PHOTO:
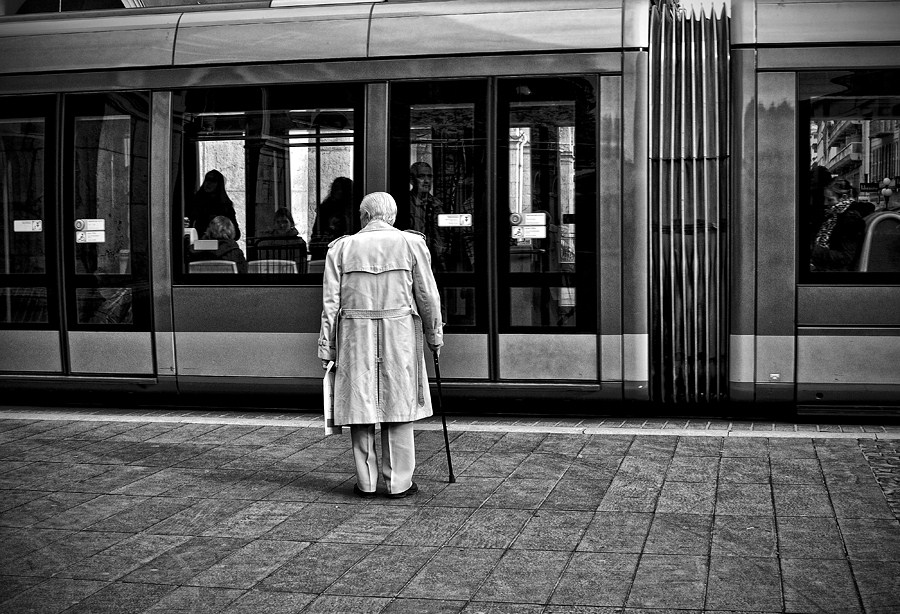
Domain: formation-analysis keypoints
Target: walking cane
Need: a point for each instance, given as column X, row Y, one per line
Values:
column 437, row 374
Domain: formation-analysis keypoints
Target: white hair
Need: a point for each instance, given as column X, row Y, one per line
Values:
column 379, row 206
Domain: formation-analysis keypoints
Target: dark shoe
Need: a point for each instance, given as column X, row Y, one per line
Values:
column 362, row 493
column 406, row 493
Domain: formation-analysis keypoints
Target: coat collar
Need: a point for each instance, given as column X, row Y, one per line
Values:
column 377, row 225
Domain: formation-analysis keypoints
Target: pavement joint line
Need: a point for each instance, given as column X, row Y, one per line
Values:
column 315, row 421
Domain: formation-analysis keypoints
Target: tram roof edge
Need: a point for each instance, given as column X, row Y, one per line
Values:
column 814, row 22
column 61, row 42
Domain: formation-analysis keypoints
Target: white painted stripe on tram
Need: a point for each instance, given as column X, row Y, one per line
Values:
column 490, row 425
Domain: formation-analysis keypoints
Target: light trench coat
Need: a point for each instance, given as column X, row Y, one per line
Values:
column 380, row 305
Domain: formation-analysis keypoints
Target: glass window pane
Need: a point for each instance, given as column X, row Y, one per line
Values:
column 854, row 162
column 548, row 180
column 107, row 171
column 459, row 306
column 542, row 306
column 542, row 186
column 280, row 174
column 104, row 305
column 442, row 180
column 23, row 306
column 22, row 151
column 103, row 194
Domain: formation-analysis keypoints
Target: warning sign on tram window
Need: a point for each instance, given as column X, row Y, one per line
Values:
column 90, row 224
column 529, row 232
column 90, row 236
column 528, row 219
column 28, row 226
column 454, row 220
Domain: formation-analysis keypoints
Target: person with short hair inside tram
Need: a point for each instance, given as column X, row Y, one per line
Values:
column 424, row 209
column 380, row 305
column 222, row 230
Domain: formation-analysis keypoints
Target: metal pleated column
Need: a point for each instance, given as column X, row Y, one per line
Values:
column 689, row 193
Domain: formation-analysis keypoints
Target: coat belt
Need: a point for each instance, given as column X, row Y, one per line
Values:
column 375, row 314
column 384, row 314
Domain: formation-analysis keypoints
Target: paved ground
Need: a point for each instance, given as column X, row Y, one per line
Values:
column 116, row 511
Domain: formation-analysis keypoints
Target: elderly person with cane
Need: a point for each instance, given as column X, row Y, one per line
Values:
column 380, row 307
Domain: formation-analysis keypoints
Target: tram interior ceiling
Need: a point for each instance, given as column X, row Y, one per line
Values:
column 630, row 207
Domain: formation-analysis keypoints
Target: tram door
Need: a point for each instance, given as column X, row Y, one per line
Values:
column 76, row 297
column 498, row 174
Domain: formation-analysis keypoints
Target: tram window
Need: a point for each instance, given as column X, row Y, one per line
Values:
column 23, row 306
column 22, row 242
column 108, row 171
column 550, row 184
column 849, row 227
column 441, row 199
column 279, row 164
column 543, row 306
column 438, row 145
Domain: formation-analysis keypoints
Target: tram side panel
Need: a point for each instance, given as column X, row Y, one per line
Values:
column 828, row 248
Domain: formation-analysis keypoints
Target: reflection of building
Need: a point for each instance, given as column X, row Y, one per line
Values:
column 860, row 151
column 882, row 157
column 838, row 146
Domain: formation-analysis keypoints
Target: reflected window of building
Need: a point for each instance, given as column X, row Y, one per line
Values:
column 277, row 165
column 850, row 205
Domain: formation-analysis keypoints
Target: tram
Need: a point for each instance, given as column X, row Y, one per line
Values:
column 617, row 194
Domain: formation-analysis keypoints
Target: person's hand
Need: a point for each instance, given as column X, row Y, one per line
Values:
column 325, row 364
column 435, row 349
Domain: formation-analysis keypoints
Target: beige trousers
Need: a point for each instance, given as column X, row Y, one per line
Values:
column 398, row 455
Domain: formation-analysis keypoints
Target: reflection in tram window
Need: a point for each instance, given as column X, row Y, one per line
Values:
column 441, row 179
column 287, row 156
column 438, row 142
column 23, row 305
column 22, row 240
column 550, row 182
column 108, row 170
column 22, row 153
column 104, row 305
column 851, row 221
column 103, row 178
column 542, row 306
column 542, row 186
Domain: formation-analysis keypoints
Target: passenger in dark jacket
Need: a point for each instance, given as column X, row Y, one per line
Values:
column 210, row 201
column 222, row 230
column 837, row 244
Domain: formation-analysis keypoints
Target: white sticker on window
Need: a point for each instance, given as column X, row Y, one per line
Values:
column 529, row 232
column 90, row 236
column 89, row 224
column 454, row 220
column 28, row 226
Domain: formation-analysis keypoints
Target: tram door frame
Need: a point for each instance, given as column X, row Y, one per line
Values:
column 107, row 320
column 495, row 347
column 70, row 308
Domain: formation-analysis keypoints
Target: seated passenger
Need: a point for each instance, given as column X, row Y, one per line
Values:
column 836, row 246
column 282, row 224
column 282, row 242
column 222, row 230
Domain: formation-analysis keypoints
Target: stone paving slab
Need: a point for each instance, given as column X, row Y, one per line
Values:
column 237, row 512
